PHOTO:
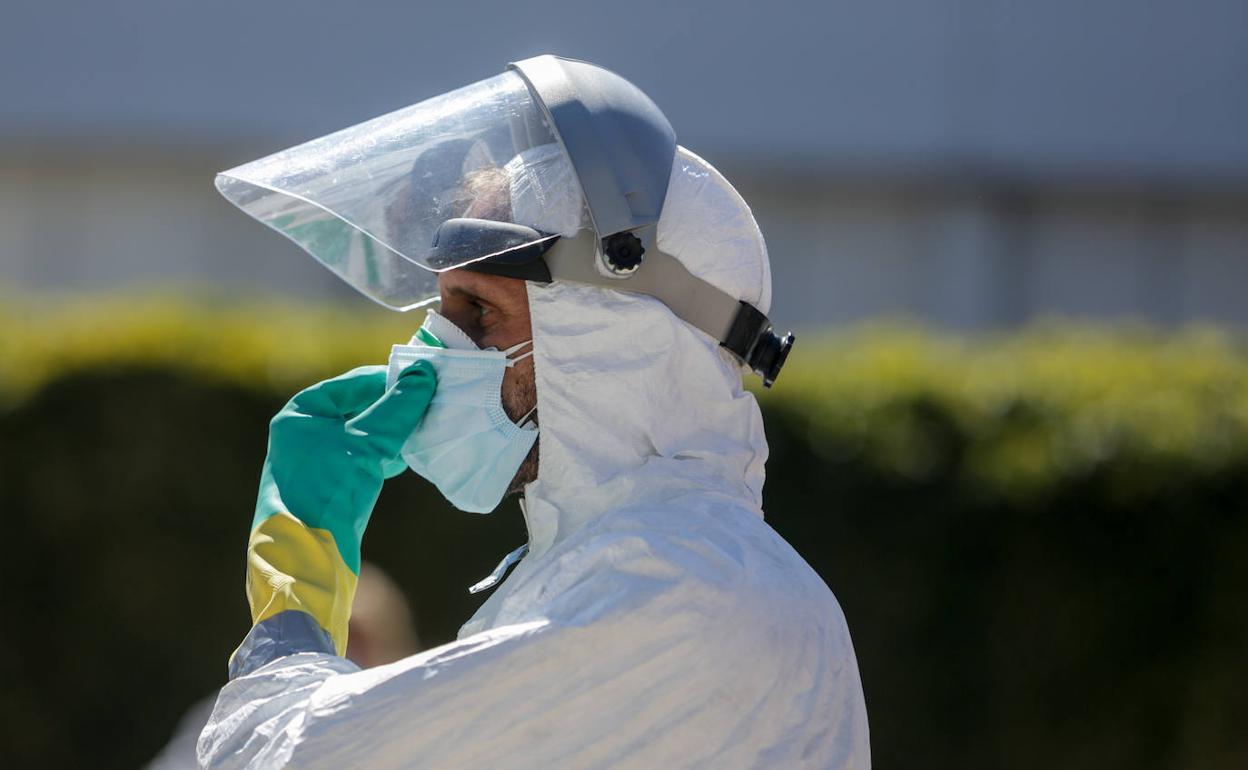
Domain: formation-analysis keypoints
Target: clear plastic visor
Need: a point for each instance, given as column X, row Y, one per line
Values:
column 368, row 201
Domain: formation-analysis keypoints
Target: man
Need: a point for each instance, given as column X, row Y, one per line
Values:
column 655, row 621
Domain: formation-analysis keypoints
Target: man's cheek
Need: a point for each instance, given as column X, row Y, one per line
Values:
column 511, row 380
column 519, row 389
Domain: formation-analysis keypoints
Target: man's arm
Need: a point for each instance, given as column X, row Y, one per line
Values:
column 533, row 693
column 429, row 710
column 611, row 692
column 613, row 655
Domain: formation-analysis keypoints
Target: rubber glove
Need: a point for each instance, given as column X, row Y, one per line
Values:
column 330, row 450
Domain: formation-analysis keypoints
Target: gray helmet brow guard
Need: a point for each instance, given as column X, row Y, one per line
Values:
column 622, row 147
column 390, row 203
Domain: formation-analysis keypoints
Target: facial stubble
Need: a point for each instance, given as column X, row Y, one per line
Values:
column 519, row 398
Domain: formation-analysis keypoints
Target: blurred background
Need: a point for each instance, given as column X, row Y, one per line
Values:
column 1013, row 238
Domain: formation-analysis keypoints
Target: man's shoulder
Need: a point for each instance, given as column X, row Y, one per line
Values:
column 723, row 553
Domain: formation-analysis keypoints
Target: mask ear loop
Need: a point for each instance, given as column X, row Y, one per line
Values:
column 524, row 420
column 513, row 361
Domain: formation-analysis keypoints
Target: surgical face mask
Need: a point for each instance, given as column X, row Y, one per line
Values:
column 466, row 444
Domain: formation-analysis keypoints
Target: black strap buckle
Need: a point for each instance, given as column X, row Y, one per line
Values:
column 752, row 339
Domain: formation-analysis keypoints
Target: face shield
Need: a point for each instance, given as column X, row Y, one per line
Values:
column 555, row 170
column 370, row 202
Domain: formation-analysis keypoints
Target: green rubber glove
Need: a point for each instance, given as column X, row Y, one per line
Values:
column 334, row 444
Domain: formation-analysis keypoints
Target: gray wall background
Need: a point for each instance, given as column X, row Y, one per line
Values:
column 970, row 163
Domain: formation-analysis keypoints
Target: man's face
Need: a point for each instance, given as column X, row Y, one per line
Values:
column 494, row 312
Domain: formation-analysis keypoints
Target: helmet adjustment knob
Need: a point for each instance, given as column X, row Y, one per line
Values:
column 622, row 253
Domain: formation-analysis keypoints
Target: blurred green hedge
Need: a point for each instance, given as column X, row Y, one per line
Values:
column 1038, row 538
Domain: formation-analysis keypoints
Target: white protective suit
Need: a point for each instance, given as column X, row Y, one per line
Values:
column 657, row 622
